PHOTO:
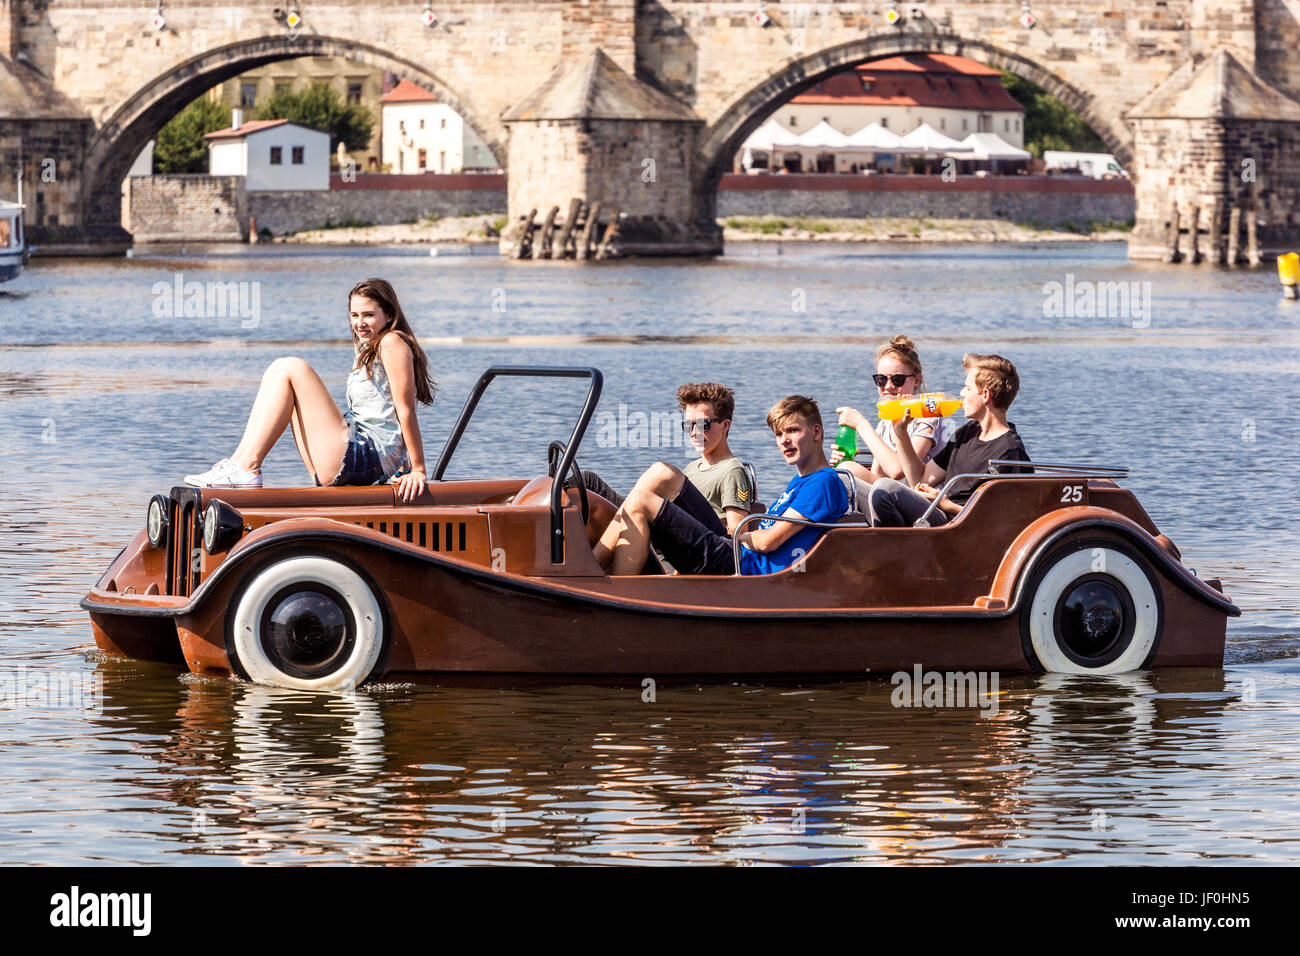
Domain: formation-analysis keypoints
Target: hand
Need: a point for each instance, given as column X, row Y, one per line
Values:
column 837, row 455
column 901, row 424
column 928, row 492
column 411, row 484
column 853, row 418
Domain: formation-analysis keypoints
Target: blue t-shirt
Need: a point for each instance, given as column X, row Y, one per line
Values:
column 819, row 496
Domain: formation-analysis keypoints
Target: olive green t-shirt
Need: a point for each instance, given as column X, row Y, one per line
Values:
column 725, row 484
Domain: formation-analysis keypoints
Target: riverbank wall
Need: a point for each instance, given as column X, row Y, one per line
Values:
column 198, row 208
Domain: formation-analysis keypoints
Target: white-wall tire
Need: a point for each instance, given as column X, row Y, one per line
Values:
column 1115, row 635
column 268, row 652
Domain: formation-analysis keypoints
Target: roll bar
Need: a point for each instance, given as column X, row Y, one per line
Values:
column 1060, row 469
column 570, row 448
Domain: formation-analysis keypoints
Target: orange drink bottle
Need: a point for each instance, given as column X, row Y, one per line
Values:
column 928, row 405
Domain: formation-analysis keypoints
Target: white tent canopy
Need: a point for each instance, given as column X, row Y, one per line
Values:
column 823, row 136
column 772, row 135
column 926, row 139
column 874, row 137
column 992, row 146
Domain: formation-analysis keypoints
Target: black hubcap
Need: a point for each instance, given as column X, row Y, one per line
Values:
column 1094, row 620
column 307, row 631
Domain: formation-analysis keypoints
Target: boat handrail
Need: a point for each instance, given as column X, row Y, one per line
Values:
column 1054, row 469
column 759, row 516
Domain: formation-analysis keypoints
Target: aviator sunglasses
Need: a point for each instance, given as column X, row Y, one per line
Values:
column 704, row 424
column 898, row 380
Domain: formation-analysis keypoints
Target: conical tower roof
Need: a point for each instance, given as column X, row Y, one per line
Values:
column 597, row 88
column 1217, row 88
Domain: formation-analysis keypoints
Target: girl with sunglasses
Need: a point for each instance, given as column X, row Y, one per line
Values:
column 898, row 373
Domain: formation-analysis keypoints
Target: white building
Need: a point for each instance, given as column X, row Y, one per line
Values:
column 422, row 135
column 954, row 95
column 270, row 154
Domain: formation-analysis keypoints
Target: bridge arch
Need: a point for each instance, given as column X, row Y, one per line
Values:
column 725, row 133
column 119, row 139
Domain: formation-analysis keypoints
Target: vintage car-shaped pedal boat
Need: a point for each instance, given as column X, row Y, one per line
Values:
column 325, row 588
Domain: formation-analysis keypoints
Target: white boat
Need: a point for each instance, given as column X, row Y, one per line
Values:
column 13, row 243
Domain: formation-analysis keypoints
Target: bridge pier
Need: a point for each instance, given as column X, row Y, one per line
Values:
column 1215, row 138
column 593, row 133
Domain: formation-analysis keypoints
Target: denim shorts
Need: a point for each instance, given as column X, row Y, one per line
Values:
column 361, row 465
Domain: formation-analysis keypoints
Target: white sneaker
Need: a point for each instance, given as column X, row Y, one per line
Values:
column 225, row 474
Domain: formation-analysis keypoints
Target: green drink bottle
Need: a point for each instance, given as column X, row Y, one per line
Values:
column 846, row 440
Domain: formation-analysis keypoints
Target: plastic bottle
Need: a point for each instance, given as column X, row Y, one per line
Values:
column 846, row 440
column 928, row 405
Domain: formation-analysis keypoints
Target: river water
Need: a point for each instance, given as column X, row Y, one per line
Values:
column 109, row 393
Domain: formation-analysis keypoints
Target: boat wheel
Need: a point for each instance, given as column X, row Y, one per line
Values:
column 308, row 623
column 1092, row 607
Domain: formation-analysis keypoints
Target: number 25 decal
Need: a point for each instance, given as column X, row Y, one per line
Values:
column 1072, row 493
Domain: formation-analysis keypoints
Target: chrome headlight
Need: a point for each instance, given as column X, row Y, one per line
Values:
column 222, row 526
column 155, row 524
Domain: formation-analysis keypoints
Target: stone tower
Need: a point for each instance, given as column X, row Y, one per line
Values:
column 592, row 132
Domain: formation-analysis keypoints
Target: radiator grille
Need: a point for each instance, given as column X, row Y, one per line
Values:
column 441, row 536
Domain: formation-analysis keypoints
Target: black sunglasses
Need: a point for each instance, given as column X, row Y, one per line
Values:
column 704, row 424
column 898, row 380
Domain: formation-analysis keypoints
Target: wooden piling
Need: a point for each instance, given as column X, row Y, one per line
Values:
column 561, row 248
column 1194, row 236
column 1252, row 240
column 524, row 236
column 542, row 248
column 1216, row 235
column 611, row 232
column 1234, row 234
column 1171, row 235
column 584, row 249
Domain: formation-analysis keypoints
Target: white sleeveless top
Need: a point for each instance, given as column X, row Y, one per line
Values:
column 940, row 429
column 371, row 413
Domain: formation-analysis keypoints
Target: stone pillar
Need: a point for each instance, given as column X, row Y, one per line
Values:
column 10, row 24
column 1215, row 137
column 593, row 133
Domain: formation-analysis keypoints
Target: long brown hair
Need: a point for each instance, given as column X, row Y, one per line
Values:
column 381, row 292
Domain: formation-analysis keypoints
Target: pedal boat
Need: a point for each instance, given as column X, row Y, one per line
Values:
column 327, row 588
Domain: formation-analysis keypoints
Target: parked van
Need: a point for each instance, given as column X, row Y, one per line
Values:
column 1092, row 165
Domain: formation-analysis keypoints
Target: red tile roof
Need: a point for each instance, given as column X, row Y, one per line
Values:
column 934, row 79
column 408, row 92
column 252, row 126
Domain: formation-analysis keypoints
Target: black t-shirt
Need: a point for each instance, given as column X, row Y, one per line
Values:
column 966, row 454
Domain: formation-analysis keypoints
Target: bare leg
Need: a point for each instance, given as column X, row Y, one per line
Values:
column 291, row 390
column 661, row 481
column 625, row 545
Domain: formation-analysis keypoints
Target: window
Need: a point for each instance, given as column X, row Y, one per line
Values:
column 794, row 121
column 866, row 85
column 297, row 155
column 277, row 156
column 247, row 94
column 424, row 159
column 1006, row 126
column 282, row 87
column 965, row 124
column 401, row 126
column 444, row 123
column 442, row 161
column 943, row 123
column 1017, row 126
column 884, row 121
column 421, row 124
column 354, row 93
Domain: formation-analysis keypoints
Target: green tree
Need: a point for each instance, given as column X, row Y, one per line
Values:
column 321, row 108
column 179, row 146
column 1049, row 123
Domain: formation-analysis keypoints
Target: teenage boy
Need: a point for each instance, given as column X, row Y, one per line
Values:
column 692, row 547
column 715, row 488
column 991, row 387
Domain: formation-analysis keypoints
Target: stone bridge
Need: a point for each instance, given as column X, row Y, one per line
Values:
column 640, row 104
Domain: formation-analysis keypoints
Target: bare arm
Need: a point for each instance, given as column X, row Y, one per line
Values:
column 400, row 368
column 769, row 539
column 734, row 517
